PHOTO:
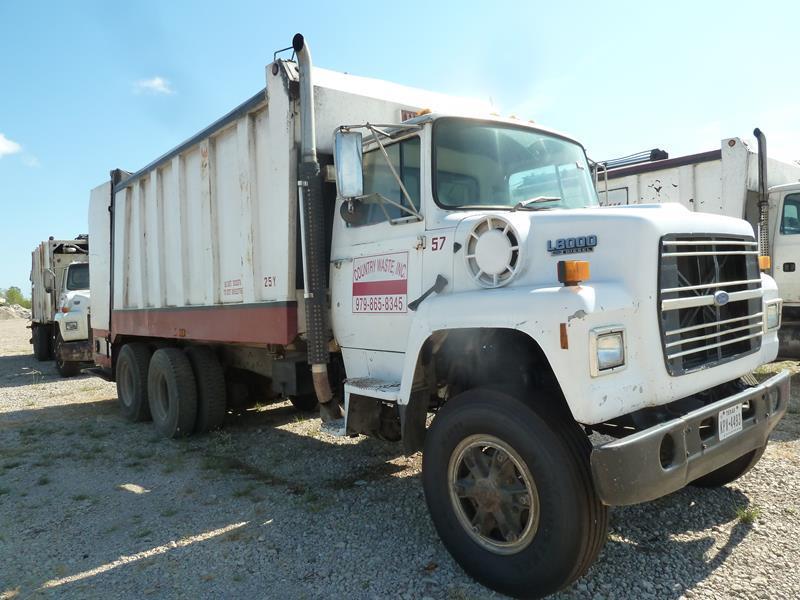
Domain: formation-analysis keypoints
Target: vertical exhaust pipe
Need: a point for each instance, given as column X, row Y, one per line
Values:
column 763, row 194
column 312, row 219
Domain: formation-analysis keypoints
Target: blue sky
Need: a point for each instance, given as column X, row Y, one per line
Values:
column 86, row 87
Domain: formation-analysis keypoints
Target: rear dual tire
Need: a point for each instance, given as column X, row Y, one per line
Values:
column 172, row 393
column 42, row 343
column 527, row 525
column 131, row 375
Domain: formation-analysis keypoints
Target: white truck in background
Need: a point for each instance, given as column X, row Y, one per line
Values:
column 727, row 182
column 427, row 259
column 60, row 308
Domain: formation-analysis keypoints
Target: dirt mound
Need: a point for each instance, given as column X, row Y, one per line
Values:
column 14, row 311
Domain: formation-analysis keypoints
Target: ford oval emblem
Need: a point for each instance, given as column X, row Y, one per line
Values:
column 721, row 298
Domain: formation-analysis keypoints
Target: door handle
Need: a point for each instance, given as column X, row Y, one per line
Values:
column 788, row 267
column 437, row 287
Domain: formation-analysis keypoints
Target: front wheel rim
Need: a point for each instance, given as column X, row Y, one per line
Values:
column 493, row 494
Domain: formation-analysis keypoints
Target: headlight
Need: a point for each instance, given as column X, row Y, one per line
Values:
column 773, row 315
column 608, row 350
column 72, row 326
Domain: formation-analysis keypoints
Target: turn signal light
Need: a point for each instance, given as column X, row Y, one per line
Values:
column 764, row 262
column 65, row 309
column 572, row 272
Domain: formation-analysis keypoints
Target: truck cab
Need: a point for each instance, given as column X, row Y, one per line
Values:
column 72, row 335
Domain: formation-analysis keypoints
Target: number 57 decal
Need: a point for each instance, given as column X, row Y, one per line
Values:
column 437, row 243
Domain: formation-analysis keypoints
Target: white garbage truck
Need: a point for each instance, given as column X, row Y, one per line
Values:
column 727, row 182
column 444, row 278
column 60, row 308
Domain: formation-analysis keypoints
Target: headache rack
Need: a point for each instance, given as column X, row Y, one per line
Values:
column 709, row 300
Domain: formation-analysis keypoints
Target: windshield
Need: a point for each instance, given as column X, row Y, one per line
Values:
column 78, row 276
column 482, row 163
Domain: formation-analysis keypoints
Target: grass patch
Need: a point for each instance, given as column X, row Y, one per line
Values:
column 312, row 501
column 80, row 497
column 748, row 514
column 43, row 480
column 173, row 464
column 12, row 465
column 142, row 533
column 4, row 491
column 245, row 491
column 169, row 512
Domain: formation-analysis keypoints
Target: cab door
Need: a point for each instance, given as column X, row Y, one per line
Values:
column 786, row 248
column 376, row 263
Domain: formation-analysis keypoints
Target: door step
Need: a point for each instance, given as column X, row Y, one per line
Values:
column 386, row 391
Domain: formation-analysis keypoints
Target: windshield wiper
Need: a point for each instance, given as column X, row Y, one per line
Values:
column 537, row 200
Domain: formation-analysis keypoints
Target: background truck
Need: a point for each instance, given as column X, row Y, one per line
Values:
column 458, row 272
column 60, row 303
column 727, row 182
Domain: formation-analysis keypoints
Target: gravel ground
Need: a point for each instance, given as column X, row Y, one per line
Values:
column 95, row 507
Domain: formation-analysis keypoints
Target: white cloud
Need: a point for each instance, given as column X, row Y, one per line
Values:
column 155, row 85
column 8, row 146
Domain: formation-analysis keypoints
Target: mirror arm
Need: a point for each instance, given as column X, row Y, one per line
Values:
column 383, row 199
column 394, row 172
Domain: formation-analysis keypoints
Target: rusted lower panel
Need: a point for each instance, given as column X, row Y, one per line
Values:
column 100, row 355
column 263, row 323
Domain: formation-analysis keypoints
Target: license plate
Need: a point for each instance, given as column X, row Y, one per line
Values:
column 729, row 421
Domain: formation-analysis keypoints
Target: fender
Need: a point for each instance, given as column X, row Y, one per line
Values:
column 539, row 313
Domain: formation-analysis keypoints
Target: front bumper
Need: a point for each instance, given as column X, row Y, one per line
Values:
column 629, row 470
column 76, row 351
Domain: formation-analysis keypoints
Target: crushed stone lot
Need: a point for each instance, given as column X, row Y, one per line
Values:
column 92, row 506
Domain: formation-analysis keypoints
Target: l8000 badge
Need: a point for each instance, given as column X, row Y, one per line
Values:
column 573, row 245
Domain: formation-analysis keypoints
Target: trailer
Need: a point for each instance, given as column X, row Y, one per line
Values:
column 728, row 182
column 429, row 273
column 60, row 308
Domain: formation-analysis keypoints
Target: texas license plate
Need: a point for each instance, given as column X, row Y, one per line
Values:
column 729, row 421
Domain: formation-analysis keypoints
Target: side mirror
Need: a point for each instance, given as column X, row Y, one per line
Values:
column 349, row 168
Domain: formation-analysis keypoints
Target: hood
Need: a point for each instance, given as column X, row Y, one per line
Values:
column 504, row 248
column 75, row 300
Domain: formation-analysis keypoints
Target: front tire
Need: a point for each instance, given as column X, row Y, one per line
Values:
column 732, row 471
column 65, row 368
column 511, row 495
column 172, row 393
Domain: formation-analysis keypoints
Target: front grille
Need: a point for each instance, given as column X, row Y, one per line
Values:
column 698, row 328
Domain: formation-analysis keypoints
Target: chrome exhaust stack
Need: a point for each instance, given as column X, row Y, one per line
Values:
column 312, row 226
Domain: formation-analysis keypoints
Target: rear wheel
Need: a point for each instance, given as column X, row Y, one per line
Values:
column 66, row 368
column 131, row 376
column 172, row 393
column 510, row 493
column 732, row 471
column 211, row 397
column 41, row 342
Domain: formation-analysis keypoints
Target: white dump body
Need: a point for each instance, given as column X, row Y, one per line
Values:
column 723, row 182
column 211, row 227
column 49, row 261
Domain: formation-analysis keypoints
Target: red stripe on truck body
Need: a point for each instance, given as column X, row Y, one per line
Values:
column 259, row 324
column 378, row 288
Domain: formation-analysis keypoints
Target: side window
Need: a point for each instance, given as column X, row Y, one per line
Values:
column 378, row 178
column 790, row 218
